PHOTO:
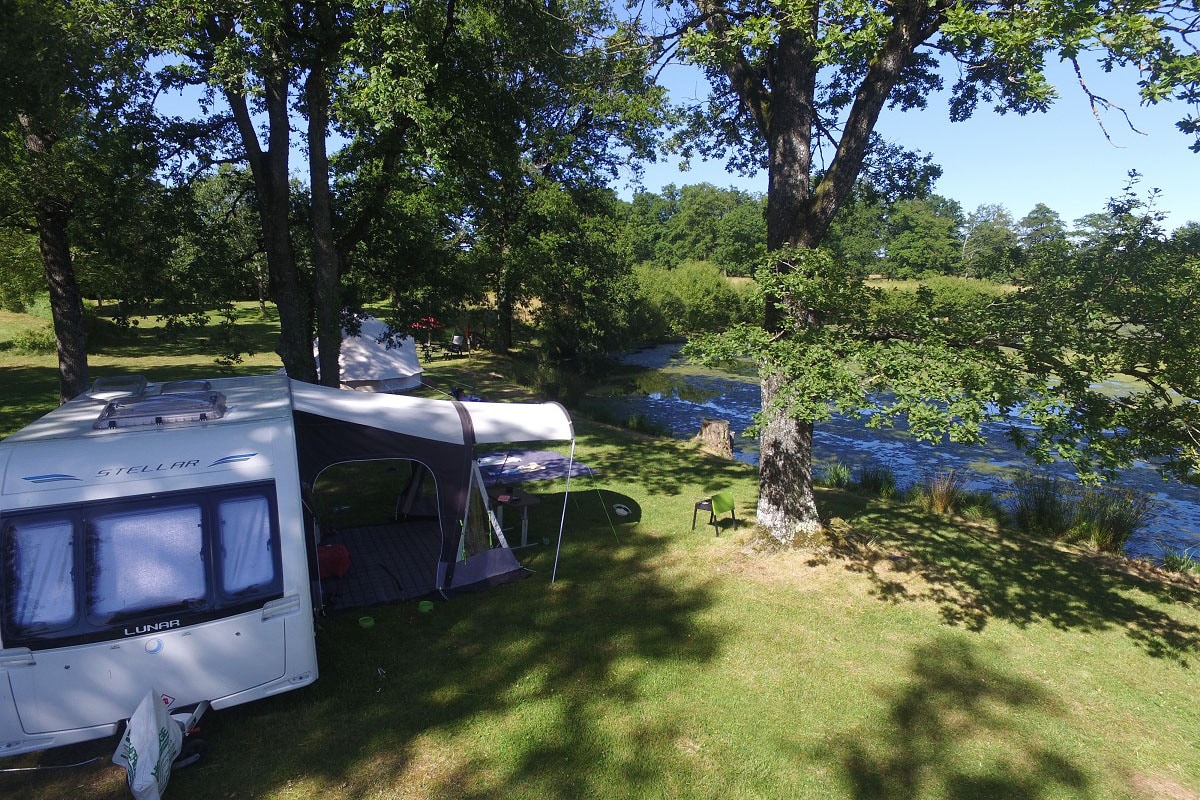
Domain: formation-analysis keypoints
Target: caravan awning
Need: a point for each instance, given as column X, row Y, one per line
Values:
column 496, row 423
column 439, row 420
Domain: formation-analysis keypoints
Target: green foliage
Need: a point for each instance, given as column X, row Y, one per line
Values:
column 1182, row 562
column 1043, row 505
column 80, row 144
column 217, row 250
column 885, row 355
column 837, row 475
column 926, row 235
column 35, row 341
column 410, row 256
column 923, row 238
column 991, row 247
column 940, row 493
column 1107, row 520
column 22, row 275
column 1122, row 304
column 741, row 241
column 876, row 480
column 697, row 223
column 947, row 355
column 693, row 298
column 1104, row 519
column 1043, row 239
column 858, row 234
column 584, row 290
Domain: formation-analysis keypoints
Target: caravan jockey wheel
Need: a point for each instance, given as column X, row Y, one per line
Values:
column 192, row 752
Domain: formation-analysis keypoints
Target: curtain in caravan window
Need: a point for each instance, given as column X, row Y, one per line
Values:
column 247, row 561
column 43, row 594
column 147, row 559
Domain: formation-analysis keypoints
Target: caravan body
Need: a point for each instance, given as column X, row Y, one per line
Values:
column 157, row 543
column 158, row 537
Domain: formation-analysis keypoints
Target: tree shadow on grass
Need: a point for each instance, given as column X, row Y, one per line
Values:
column 29, row 392
column 975, row 574
column 158, row 342
column 527, row 689
column 538, row 671
column 666, row 468
column 953, row 702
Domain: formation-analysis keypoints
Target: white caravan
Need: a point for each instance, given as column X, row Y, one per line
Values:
column 157, row 536
column 150, row 544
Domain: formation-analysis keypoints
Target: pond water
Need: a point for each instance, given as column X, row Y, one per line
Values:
column 672, row 396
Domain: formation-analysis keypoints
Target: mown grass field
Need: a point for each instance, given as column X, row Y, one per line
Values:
column 925, row 657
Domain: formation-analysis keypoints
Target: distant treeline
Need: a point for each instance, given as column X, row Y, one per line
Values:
column 907, row 237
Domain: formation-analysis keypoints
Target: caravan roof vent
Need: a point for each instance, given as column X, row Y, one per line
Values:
column 185, row 387
column 112, row 386
column 163, row 409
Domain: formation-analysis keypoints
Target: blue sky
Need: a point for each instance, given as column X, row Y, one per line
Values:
column 1060, row 158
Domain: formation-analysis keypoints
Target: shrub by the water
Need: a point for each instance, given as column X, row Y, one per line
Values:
column 1104, row 519
column 1108, row 519
column 1042, row 505
column 940, row 493
column 877, row 480
column 1182, row 562
column 693, row 297
column 836, row 475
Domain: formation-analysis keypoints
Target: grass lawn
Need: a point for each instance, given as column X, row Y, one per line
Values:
column 925, row 658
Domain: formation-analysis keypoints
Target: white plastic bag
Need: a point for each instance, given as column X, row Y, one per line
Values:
column 152, row 741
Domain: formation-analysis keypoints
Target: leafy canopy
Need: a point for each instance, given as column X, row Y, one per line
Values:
column 1096, row 349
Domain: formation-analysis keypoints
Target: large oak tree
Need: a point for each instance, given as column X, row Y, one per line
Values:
column 797, row 80
column 76, row 138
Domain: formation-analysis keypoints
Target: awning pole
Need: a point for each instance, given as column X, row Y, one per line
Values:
column 562, row 523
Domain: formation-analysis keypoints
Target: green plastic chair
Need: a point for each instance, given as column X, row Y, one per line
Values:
column 719, row 503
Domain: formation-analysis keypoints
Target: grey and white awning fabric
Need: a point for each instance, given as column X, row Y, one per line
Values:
column 439, row 420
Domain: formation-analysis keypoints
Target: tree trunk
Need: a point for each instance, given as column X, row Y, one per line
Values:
column 66, row 303
column 787, row 506
column 270, row 170
column 799, row 216
column 715, row 437
column 326, row 279
column 503, row 340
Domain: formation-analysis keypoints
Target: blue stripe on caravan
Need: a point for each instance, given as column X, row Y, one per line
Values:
column 233, row 459
column 49, row 478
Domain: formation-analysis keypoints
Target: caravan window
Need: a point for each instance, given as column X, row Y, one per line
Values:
column 145, row 559
column 247, row 554
column 90, row 572
column 41, row 592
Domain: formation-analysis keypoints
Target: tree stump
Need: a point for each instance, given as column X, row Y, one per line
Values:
column 716, row 438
